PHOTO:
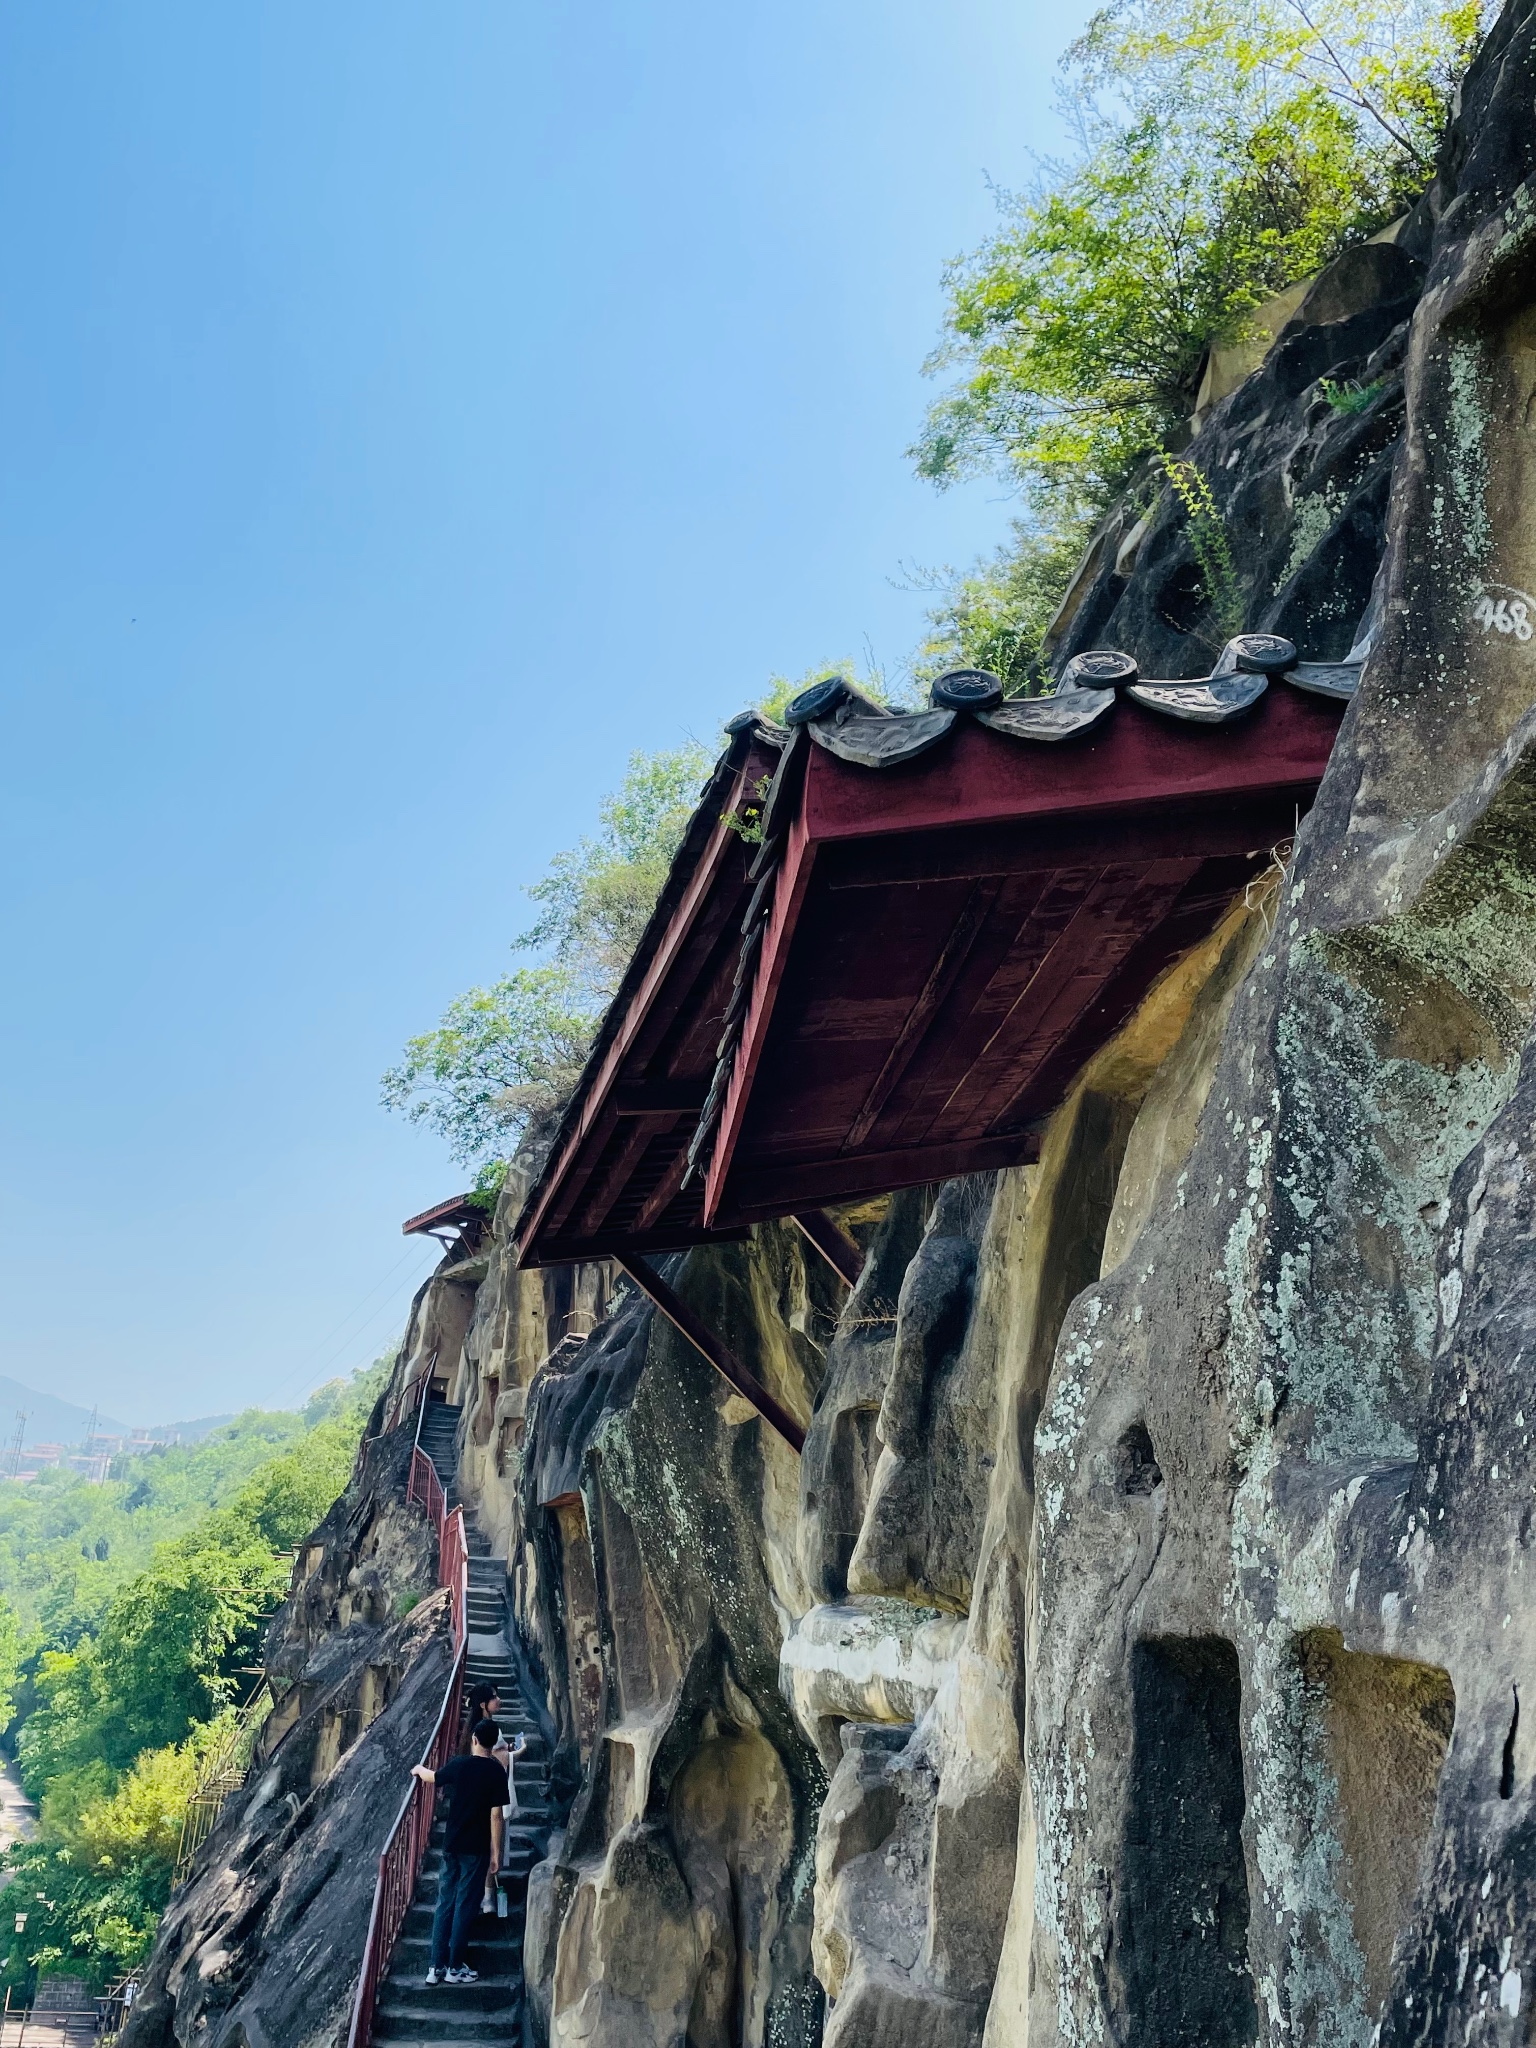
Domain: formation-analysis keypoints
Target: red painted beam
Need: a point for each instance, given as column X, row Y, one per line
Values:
column 1137, row 758
column 794, row 879
column 724, row 846
column 833, row 1242
column 710, row 1347
column 784, row 1190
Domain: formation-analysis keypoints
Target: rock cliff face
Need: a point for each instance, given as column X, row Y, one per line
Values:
column 1144, row 1648
column 260, row 1948
column 651, row 1527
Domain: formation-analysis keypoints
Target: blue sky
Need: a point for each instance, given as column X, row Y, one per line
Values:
column 408, row 412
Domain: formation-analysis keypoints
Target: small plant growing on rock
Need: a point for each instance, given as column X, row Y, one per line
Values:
column 1211, row 546
column 1351, row 396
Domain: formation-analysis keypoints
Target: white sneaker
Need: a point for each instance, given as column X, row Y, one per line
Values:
column 464, row 1976
column 435, row 1976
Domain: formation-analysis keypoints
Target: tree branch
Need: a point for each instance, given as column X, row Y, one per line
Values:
column 1356, row 91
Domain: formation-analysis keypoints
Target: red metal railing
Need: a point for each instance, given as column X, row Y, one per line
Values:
column 453, row 1572
column 425, row 1486
column 401, row 1859
column 411, row 1399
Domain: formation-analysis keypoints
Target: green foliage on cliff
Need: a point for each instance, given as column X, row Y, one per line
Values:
column 994, row 615
column 1226, row 149
column 511, row 1051
column 130, row 1622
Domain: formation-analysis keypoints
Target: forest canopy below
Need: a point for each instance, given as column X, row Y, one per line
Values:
column 131, row 1616
column 1222, row 150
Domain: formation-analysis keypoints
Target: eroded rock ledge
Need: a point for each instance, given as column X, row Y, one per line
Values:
column 1143, row 1649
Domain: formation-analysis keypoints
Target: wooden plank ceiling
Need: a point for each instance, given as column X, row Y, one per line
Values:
column 899, row 981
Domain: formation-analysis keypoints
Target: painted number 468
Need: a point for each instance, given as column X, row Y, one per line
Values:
column 1504, row 615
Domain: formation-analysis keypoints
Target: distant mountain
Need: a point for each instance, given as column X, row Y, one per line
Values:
column 187, row 1432
column 49, row 1420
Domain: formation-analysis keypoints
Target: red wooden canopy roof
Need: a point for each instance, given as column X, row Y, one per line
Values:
column 449, row 1215
column 931, row 923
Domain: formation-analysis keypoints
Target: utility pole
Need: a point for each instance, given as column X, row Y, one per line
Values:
column 90, row 1449
column 16, row 1442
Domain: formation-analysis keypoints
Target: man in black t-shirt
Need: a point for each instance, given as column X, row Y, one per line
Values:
column 476, row 1788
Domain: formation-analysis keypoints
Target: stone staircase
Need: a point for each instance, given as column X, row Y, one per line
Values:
column 474, row 2015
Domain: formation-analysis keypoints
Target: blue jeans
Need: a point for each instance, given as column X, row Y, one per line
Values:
column 459, row 1891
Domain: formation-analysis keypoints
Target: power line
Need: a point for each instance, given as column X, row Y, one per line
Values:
column 307, row 1363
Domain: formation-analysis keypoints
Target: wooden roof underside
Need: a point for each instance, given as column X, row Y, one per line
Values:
column 933, row 950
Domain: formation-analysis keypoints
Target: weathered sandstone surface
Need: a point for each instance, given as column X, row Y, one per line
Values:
column 1144, row 1648
column 260, row 1947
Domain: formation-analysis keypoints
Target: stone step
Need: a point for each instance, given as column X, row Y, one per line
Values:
column 494, row 1933
column 447, row 2040
column 453, row 2038
column 491, row 1952
column 514, row 1872
column 488, row 2014
column 449, row 2029
column 499, row 1957
column 502, row 1988
column 431, row 1871
column 436, row 2014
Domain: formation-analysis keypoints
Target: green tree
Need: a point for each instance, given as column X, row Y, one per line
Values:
column 498, row 1056
column 137, row 1678
column 504, row 1054
column 994, row 616
column 1227, row 149
column 90, row 1890
column 594, row 902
